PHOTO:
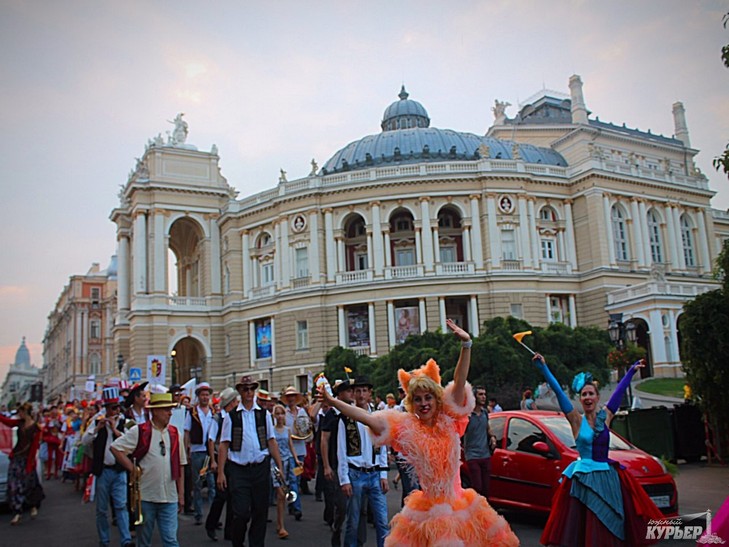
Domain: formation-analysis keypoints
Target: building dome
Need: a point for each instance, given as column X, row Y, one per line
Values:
column 22, row 356
column 408, row 138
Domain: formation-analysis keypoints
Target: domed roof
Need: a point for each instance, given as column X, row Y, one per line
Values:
column 408, row 138
column 22, row 356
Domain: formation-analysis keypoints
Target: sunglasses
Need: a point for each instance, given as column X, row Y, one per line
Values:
column 248, row 388
column 162, row 449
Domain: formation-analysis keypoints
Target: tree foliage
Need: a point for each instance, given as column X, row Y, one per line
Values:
column 704, row 350
column 721, row 162
column 497, row 361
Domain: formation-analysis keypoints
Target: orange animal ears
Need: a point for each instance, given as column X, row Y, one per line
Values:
column 429, row 369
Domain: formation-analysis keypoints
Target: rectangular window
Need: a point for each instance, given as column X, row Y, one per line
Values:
column 508, row 244
column 95, row 329
column 302, row 262
column 302, row 335
column 517, row 310
column 302, row 383
column 548, row 254
column 405, row 257
column 360, row 261
column 448, row 254
column 264, row 339
column 358, row 326
column 559, row 309
column 263, row 384
column 267, row 275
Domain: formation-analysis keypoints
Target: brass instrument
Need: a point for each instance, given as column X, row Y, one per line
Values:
column 289, row 494
column 135, row 501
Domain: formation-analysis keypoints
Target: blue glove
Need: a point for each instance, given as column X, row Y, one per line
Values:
column 617, row 396
column 564, row 403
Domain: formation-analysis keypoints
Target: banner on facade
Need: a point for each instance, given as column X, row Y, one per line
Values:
column 156, row 369
column 263, row 339
column 407, row 322
column 358, row 327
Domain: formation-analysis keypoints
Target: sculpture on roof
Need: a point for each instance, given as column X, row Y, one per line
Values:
column 179, row 134
column 314, row 167
column 282, row 176
column 499, row 110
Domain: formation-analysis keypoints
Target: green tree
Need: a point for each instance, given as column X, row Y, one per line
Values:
column 721, row 162
column 339, row 359
column 704, row 350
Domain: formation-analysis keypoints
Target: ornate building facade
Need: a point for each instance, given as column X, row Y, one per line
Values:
column 79, row 339
column 21, row 375
column 551, row 216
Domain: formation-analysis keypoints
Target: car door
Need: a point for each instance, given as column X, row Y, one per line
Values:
column 529, row 473
column 498, row 486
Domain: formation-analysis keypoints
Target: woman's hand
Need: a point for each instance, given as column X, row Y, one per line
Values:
column 639, row 364
column 458, row 331
column 324, row 394
column 538, row 359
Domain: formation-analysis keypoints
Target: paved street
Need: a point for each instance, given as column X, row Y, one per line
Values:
column 64, row 521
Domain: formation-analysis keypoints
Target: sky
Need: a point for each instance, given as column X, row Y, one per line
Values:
column 85, row 84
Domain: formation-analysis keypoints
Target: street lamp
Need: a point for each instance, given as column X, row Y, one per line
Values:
column 173, row 366
column 120, row 364
column 620, row 335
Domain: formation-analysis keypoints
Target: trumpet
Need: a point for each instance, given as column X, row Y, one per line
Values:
column 289, row 494
column 135, row 501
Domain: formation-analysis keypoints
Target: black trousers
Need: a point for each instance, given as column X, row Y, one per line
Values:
column 249, row 487
column 339, row 501
column 222, row 499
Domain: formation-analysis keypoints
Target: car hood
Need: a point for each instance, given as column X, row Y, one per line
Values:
column 638, row 463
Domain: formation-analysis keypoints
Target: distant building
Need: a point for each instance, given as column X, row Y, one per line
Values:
column 78, row 341
column 551, row 216
column 20, row 376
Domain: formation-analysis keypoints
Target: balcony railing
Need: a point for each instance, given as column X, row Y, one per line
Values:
column 511, row 265
column 652, row 288
column 361, row 350
column 301, row 282
column 454, row 268
column 262, row 292
column 358, row 276
column 187, row 301
column 404, row 272
column 556, row 268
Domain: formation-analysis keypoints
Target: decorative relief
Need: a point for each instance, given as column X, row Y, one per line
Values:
column 299, row 224
column 506, row 204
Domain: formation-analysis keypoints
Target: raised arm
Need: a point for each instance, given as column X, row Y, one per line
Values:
column 371, row 420
column 617, row 396
column 464, row 362
column 564, row 402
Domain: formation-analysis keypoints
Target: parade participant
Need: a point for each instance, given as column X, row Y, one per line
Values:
column 52, row 438
column 135, row 404
column 527, row 401
column 24, row 488
column 154, row 446
column 299, row 423
column 263, row 398
column 332, row 487
column 442, row 513
column 286, row 451
column 197, row 428
column 478, row 442
column 362, row 468
column 111, row 478
column 246, row 445
column 228, row 401
column 596, row 503
column 494, row 406
column 179, row 414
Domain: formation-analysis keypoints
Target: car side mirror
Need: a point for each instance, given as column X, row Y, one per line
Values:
column 542, row 448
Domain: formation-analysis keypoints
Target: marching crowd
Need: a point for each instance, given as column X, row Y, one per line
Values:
column 144, row 454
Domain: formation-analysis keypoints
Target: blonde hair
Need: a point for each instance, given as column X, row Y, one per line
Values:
column 424, row 383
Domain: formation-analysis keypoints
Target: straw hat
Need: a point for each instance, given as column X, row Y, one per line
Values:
column 161, row 400
column 291, row 390
column 263, row 395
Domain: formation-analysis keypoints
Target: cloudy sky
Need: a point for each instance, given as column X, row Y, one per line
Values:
column 84, row 84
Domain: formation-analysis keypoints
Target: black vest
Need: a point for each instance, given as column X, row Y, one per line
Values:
column 236, row 436
column 99, row 445
column 196, row 428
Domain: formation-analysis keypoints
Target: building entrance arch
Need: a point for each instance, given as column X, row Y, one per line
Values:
column 187, row 360
column 186, row 243
column 643, row 340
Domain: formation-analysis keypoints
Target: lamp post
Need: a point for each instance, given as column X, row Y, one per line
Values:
column 270, row 379
column 620, row 335
column 120, row 364
column 173, row 372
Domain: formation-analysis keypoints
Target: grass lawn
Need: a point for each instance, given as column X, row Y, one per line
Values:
column 669, row 387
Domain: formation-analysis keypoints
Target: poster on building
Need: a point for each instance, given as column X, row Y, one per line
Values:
column 156, row 369
column 407, row 322
column 263, row 339
column 358, row 327
column 90, row 384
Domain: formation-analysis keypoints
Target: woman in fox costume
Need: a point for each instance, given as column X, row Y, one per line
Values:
column 428, row 435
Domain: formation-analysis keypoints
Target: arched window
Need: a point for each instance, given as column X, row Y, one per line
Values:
column 620, row 234
column 654, row 233
column 687, row 239
column 548, row 214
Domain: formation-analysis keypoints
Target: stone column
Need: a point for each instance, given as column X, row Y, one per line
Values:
column 703, row 242
column 609, row 229
column 477, row 246
column 246, row 255
column 370, row 253
column 388, row 250
column 637, row 235
column 377, row 251
column 658, row 346
column 474, row 316
column 671, row 246
column 427, row 235
column 215, row 275
column 277, row 255
column 123, row 277
column 423, row 317
column 341, row 256
column 570, row 233
column 467, row 241
column 533, row 234
column 314, row 266
column 679, row 239
column 342, row 320
column 549, row 311
column 252, row 342
column 373, row 331
column 494, row 235
column 391, row 323
column 643, row 212
column 673, row 333
column 140, row 253
column 436, row 243
column 442, row 313
column 526, row 244
column 418, row 246
column 329, row 242
column 285, row 274
column 160, row 254
column 273, row 340
column 573, row 311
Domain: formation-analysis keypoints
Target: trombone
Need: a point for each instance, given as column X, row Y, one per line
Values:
column 289, row 494
column 135, row 500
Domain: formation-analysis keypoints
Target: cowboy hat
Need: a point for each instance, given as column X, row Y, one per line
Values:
column 247, row 380
column 341, row 385
column 227, row 396
column 362, row 381
column 291, row 390
column 201, row 386
column 161, row 400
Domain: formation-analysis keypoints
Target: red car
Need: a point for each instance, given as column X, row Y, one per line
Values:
column 534, row 447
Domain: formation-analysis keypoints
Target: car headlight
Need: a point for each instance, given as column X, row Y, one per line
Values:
column 660, row 462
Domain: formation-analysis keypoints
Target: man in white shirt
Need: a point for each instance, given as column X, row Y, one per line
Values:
column 299, row 424
column 197, row 428
column 247, row 444
column 362, row 469
column 154, row 446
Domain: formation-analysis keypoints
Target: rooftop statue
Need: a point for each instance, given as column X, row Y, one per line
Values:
column 499, row 110
column 179, row 134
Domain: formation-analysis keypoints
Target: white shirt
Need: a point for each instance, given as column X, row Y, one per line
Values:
column 250, row 451
column 206, row 419
column 156, row 484
column 139, row 419
column 364, row 460
column 91, row 434
column 213, row 433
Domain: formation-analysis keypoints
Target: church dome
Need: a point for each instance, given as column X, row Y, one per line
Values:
column 407, row 137
column 22, row 356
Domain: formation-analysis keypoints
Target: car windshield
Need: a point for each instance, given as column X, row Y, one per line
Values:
column 561, row 427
